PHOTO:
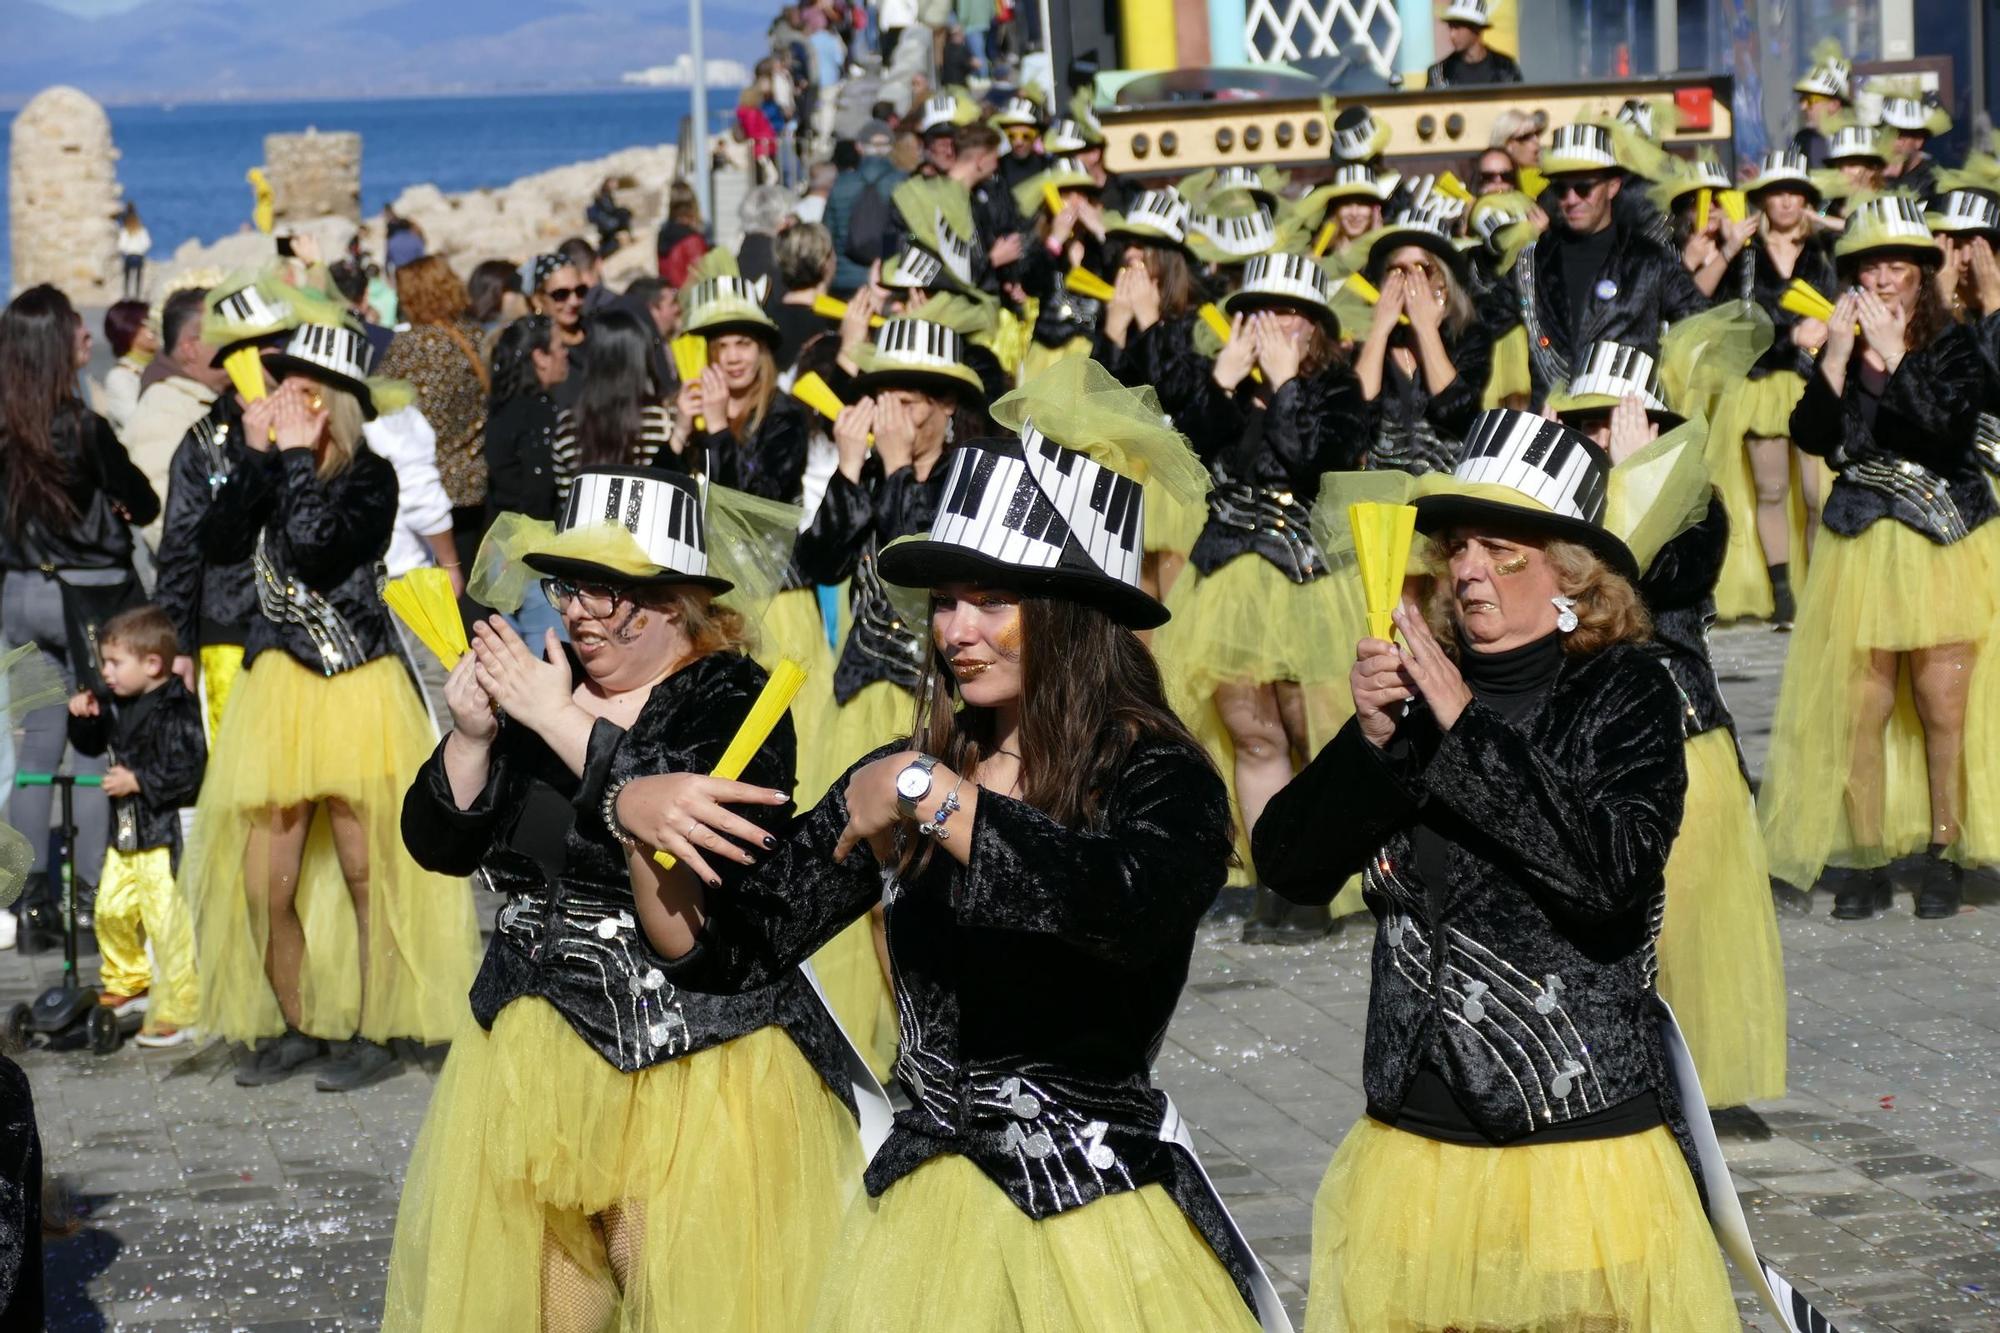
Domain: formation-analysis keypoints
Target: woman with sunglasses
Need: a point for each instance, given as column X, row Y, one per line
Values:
column 617, row 411
column 1495, row 173
column 605, row 1149
column 1052, row 836
column 558, row 293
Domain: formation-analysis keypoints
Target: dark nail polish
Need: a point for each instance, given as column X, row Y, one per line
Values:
column 770, row 841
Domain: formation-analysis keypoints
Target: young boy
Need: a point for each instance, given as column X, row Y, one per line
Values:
column 152, row 726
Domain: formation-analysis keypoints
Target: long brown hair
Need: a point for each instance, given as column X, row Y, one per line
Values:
column 39, row 409
column 1090, row 692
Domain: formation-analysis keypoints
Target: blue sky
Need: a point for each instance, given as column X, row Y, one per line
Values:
column 189, row 50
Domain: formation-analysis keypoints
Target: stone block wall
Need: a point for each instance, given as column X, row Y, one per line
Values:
column 63, row 196
column 314, row 175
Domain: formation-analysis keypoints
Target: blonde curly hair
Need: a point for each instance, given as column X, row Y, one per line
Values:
column 1608, row 608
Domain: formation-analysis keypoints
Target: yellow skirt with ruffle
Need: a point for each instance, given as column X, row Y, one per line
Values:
column 1762, row 408
column 1039, row 356
column 291, row 737
column 1508, row 376
column 793, row 628
column 1720, row 964
column 850, row 972
column 1890, row 590
column 881, row 712
column 726, row 1175
column 1415, row 1236
column 945, row 1248
column 1171, row 524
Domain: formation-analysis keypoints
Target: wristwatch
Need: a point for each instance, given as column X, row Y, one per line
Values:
column 913, row 784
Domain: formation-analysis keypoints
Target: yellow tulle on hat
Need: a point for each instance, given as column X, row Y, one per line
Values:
column 921, row 202
column 1706, row 354
column 1078, row 404
column 969, row 316
column 274, row 296
column 1980, row 171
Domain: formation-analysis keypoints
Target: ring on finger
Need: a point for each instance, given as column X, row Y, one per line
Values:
column 689, row 835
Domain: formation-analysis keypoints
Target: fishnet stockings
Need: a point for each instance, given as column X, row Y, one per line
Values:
column 581, row 1294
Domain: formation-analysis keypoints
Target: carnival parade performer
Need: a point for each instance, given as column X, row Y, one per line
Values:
column 323, row 730
column 1247, row 643
column 1054, row 836
column 603, row 1144
column 1906, row 575
column 1509, row 787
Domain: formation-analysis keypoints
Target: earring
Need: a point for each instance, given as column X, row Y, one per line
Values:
column 1565, row 613
column 951, row 428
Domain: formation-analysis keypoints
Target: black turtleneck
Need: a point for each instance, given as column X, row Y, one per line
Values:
column 1513, row 679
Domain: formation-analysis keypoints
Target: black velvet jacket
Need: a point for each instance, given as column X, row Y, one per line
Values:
column 853, row 522
column 771, row 463
column 89, row 462
column 1986, row 434
column 159, row 736
column 316, row 548
column 1414, row 430
column 1034, row 985
column 568, row 933
column 209, row 601
column 1266, row 453
column 1908, row 455
column 1650, row 289
column 1061, row 314
column 1163, row 358
column 1679, row 590
column 1757, row 279
column 1526, row 981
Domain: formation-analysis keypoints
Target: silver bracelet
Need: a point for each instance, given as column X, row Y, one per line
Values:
column 934, row 827
column 610, row 812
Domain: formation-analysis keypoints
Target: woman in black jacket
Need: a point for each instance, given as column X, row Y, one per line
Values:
column 522, row 422
column 1907, row 574
column 1508, row 788
column 1053, row 836
column 71, row 499
column 324, row 730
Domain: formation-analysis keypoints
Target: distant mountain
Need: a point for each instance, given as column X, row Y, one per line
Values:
column 202, row 50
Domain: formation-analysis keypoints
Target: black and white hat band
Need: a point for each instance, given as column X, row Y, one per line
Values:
column 1615, row 370
column 1855, row 141
column 725, row 288
column 335, row 348
column 917, row 343
column 1027, row 510
column 1357, row 176
column 1830, row 78
column 1905, row 113
column 1161, row 211
column 662, row 511
column 1638, row 113
column 940, row 112
column 1429, row 209
column 1238, row 178
column 1967, row 210
column 1489, row 222
column 1287, row 277
column 916, row 267
column 1478, row 13
column 1708, row 175
column 1241, row 236
column 1018, row 111
column 1582, row 145
column 956, row 251
column 1544, row 460
column 1357, row 141
column 1065, row 136
column 1890, row 216
column 248, row 308
column 1783, row 164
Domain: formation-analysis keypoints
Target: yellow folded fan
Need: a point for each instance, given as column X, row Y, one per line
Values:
column 1052, row 198
column 1734, row 206
column 832, row 307
column 1369, row 292
column 423, row 600
column 1703, row 199
column 1533, row 182
column 1806, row 301
column 1085, row 283
column 1324, row 241
column 246, row 372
column 772, row 701
column 817, row 394
column 690, row 359
column 1450, row 185
column 1382, row 535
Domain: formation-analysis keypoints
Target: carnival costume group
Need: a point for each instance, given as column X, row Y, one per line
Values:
column 902, row 1077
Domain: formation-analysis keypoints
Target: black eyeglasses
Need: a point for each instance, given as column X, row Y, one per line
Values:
column 1504, row 177
column 598, row 601
column 1580, row 186
column 561, row 294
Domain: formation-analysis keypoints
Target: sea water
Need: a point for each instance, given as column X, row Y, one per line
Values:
column 183, row 165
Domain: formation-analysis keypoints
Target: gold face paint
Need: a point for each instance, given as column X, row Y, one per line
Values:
column 1008, row 637
column 1514, row 566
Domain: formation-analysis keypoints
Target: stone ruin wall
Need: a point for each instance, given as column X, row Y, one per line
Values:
column 314, row 175
column 63, row 197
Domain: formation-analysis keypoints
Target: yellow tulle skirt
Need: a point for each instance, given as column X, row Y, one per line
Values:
column 880, row 713
column 737, row 1162
column 850, row 972
column 1762, row 408
column 1891, row 590
column 290, row 738
column 1172, row 524
column 1720, row 965
column 944, row 1248
column 1508, row 377
column 1602, row 1236
column 1039, row 356
column 793, row 628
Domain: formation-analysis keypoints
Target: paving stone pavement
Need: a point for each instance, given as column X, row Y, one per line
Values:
column 1875, row 1183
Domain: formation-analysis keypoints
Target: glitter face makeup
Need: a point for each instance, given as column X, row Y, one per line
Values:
column 1008, row 637
column 1514, row 566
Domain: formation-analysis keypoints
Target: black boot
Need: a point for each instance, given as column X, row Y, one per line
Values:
column 356, row 1064
column 1941, row 888
column 1783, row 608
column 1858, row 894
column 277, row 1060
column 1267, row 914
column 41, row 917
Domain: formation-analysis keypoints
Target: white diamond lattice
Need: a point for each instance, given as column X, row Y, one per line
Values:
column 1276, row 30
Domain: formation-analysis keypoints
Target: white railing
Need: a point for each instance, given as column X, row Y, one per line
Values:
column 1290, row 30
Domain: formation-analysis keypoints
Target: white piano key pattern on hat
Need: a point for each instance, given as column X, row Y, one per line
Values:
column 917, row 342
column 1541, row 459
column 1022, row 511
column 249, row 309
column 1244, row 235
column 1617, row 370
column 1105, row 510
column 916, row 268
column 663, row 516
column 1582, row 143
column 1296, row 277
column 1969, row 210
column 334, row 347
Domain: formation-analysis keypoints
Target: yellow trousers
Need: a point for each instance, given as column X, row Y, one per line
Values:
column 137, row 902
column 221, row 664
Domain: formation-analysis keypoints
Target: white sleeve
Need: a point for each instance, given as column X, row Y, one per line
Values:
column 423, row 509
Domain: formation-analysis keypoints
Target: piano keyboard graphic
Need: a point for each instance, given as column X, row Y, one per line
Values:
column 1539, row 458
column 1616, row 369
column 335, row 347
column 1021, row 510
column 1244, row 234
column 918, row 342
column 248, row 307
column 663, row 517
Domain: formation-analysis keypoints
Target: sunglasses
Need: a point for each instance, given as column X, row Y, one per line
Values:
column 561, row 294
column 1524, row 136
column 598, row 601
column 1504, row 177
column 1580, row 186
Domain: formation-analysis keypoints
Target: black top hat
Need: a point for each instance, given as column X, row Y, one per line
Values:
column 635, row 526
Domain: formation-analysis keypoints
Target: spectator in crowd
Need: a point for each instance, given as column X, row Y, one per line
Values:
column 682, row 236
column 69, row 491
column 1520, row 134
column 181, row 387
column 1471, row 61
column 660, row 303
column 805, row 270
column 351, row 281
column 439, row 354
column 811, row 207
column 497, row 299
column 908, row 153
column 955, row 64
column 529, row 361
column 611, row 218
column 404, row 243
column 133, row 343
column 763, row 213
column 590, row 266
column 1495, row 173
column 755, row 107
column 829, row 52
column 621, row 416
column 976, row 18
column 893, row 17
column 862, row 195
column 134, row 244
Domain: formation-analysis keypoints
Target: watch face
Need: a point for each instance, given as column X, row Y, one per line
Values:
column 913, row 782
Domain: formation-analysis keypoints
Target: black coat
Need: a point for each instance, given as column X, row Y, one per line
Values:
column 771, row 463
column 1414, row 430
column 1757, row 279
column 1033, row 985
column 1454, row 71
column 160, row 737
column 209, row 601
column 1060, row 313
column 1986, row 435
column 1908, row 455
column 1652, row 288
column 94, row 468
column 521, row 457
column 316, row 548
column 1526, row 980
column 568, row 934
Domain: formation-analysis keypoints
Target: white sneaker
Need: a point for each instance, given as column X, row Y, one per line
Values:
column 10, row 928
column 138, row 1004
column 157, row 1041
